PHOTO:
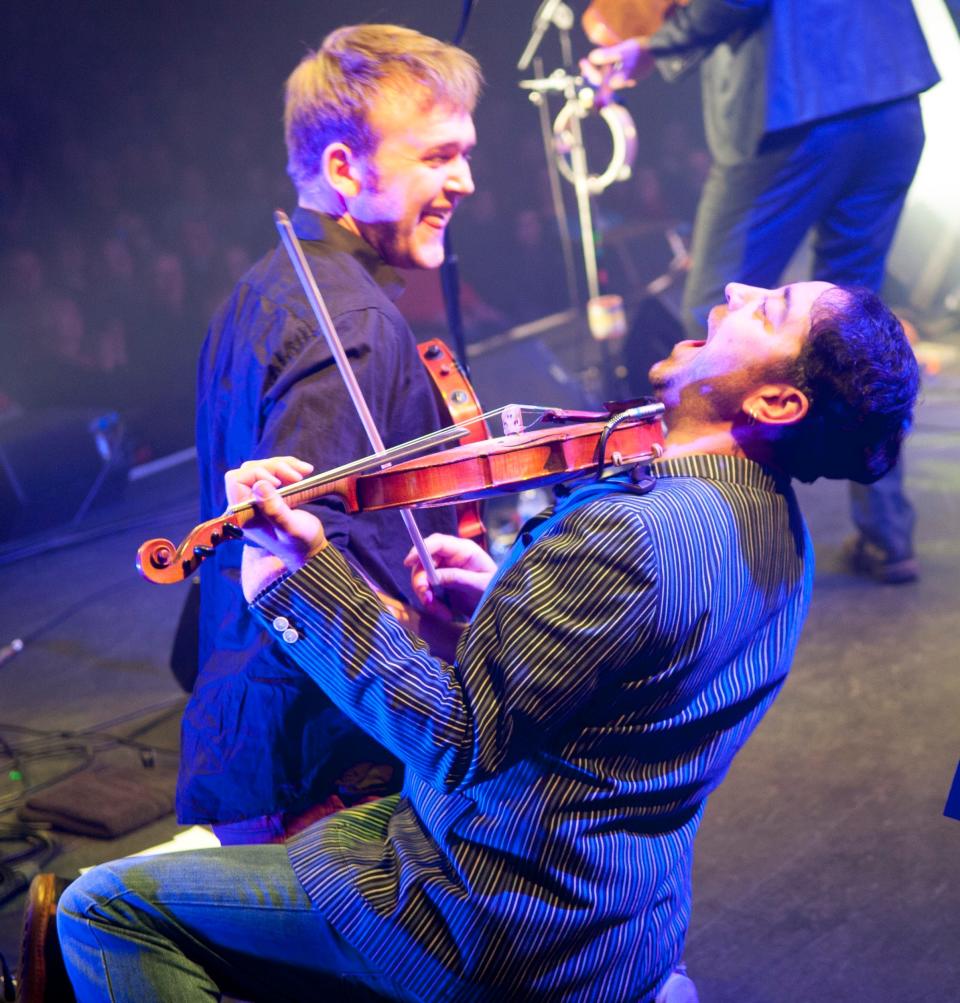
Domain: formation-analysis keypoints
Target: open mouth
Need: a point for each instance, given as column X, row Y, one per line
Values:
column 435, row 218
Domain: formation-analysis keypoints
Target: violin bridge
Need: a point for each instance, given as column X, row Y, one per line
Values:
column 512, row 419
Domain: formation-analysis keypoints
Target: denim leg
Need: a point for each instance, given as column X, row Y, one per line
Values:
column 726, row 246
column 883, row 514
column 187, row 926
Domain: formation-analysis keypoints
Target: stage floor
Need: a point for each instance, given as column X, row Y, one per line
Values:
column 825, row 868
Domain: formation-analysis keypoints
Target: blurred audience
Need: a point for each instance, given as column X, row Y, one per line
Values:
column 130, row 205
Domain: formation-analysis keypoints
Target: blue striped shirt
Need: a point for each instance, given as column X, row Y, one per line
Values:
column 557, row 771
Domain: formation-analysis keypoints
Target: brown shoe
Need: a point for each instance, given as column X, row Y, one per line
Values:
column 41, row 977
column 868, row 559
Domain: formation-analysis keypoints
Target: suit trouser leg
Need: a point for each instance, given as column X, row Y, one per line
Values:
column 847, row 178
column 751, row 218
column 850, row 247
column 883, row 514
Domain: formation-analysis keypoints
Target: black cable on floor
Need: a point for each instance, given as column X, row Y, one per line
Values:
column 85, row 743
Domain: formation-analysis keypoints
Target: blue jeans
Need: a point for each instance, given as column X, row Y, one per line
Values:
column 189, row 926
column 179, row 927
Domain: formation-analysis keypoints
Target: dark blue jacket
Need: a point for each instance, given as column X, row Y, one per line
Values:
column 258, row 735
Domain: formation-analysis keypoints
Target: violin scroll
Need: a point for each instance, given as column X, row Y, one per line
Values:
column 162, row 562
column 609, row 22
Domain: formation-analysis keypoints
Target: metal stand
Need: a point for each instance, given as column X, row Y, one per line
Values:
column 556, row 194
column 566, row 156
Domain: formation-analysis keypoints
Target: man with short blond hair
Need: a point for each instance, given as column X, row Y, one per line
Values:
column 329, row 95
column 379, row 133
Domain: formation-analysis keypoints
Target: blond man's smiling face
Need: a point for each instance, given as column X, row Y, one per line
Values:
column 416, row 177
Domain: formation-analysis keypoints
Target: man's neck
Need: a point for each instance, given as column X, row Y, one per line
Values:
column 688, row 438
column 329, row 206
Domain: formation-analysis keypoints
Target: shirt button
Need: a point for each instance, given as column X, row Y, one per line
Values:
column 290, row 635
column 280, row 624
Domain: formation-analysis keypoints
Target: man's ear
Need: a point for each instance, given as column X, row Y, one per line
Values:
column 341, row 170
column 776, row 404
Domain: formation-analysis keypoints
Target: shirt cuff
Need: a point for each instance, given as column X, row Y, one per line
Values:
column 325, row 580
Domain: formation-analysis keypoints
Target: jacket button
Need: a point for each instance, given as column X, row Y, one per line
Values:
column 290, row 635
column 280, row 624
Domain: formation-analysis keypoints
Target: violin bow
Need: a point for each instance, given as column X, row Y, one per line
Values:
column 319, row 307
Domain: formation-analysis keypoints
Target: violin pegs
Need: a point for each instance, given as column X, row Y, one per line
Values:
column 162, row 562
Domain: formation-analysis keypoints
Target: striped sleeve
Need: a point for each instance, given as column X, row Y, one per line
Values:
column 579, row 598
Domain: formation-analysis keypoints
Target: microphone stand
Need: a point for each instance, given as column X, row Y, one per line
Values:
column 549, row 13
column 556, row 195
column 450, row 266
column 450, row 286
column 557, row 13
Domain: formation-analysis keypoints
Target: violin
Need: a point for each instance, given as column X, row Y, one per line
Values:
column 457, row 399
column 609, row 22
column 474, row 470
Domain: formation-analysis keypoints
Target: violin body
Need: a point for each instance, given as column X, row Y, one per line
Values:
column 609, row 22
column 504, row 465
column 475, row 470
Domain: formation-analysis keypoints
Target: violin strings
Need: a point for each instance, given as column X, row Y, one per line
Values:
column 403, row 451
column 374, row 460
column 379, row 460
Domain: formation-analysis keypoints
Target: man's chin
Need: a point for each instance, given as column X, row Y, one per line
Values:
column 659, row 374
column 428, row 253
column 405, row 250
column 428, row 260
column 666, row 382
column 413, row 258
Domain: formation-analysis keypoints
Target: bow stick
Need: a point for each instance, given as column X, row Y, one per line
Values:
column 309, row 283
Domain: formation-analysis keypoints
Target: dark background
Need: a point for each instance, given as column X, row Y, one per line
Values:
column 141, row 154
column 825, row 869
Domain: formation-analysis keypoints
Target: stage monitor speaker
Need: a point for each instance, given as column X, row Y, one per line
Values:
column 525, row 372
column 55, row 464
column 655, row 328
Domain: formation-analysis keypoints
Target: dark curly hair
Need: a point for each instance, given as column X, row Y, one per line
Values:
column 861, row 377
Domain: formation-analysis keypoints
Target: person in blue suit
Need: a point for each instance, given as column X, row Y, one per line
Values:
column 813, row 122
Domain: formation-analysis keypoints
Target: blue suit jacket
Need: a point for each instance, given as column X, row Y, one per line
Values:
column 769, row 65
